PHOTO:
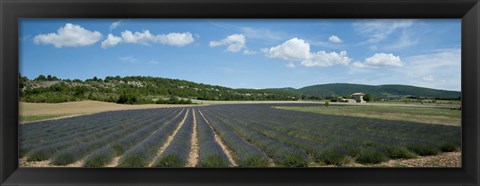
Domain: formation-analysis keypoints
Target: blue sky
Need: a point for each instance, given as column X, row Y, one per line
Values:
column 248, row 53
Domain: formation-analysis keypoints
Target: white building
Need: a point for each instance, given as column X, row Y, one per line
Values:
column 358, row 97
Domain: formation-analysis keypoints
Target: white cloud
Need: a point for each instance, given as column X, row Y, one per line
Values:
column 115, row 24
column 249, row 52
column 234, row 43
column 324, row 59
column 292, row 50
column 111, row 41
column 146, row 38
column 384, row 60
column 290, row 65
column 378, row 30
column 334, row 39
column 297, row 49
column 380, row 60
column 175, row 39
column 428, row 78
column 69, row 36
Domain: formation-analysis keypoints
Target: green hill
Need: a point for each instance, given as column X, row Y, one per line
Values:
column 135, row 90
column 141, row 89
column 380, row 91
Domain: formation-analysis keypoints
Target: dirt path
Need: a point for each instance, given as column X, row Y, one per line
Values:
column 114, row 162
column 448, row 159
column 169, row 139
column 46, row 163
column 219, row 141
column 193, row 156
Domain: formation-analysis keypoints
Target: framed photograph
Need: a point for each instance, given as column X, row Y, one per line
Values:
column 239, row 92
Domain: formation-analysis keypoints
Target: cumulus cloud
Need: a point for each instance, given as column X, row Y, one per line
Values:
column 297, row 49
column 146, row 38
column 111, row 41
column 334, row 39
column 324, row 59
column 115, row 24
column 384, row 60
column 175, row 39
column 380, row 60
column 292, row 50
column 69, row 36
column 234, row 43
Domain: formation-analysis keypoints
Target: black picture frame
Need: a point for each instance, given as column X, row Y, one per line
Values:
column 466, row 10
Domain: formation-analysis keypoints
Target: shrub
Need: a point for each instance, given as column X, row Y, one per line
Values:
column 213, row 161
column 331, row 156
column 448, row 147
column 100, row 157
column 253, row 161
column 371, row 156
column 63, row 158
column 135, row 160
column 38, row 155
column 423, row 150
column 170, row 160
column 399, row 152
column 294, row 160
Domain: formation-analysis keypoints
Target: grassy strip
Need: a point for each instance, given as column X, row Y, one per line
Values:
column 413, row 114
column 26, row 119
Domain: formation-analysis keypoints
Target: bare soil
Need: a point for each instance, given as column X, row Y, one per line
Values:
column 193, row 155
column 447, row 159
column 46, row 163
column 114, row 162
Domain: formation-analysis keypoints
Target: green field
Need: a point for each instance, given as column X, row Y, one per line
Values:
column 25, row 119
column 431, row 115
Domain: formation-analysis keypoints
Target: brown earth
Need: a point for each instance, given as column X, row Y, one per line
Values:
column 447, row 159
column 193, row 156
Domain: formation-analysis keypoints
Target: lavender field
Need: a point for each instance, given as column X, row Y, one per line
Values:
column 231, row 135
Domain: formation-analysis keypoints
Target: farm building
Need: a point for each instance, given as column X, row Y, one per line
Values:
column 358, row 97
